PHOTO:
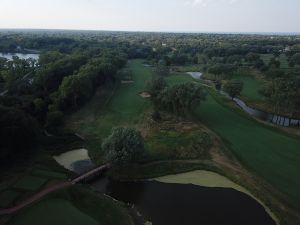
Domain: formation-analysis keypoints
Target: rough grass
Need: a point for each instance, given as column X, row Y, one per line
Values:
column 53, row 211
column 8, row 197
column 30, row 183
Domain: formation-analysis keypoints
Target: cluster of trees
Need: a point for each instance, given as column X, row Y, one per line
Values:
column 283, row 93
column 76, row 89
column 37, row 95
column 294, row 60
column 222, row 70
column 179, row 99
column 124, row 146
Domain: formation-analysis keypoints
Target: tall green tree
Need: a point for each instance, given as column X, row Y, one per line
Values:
column 233, row 88
column 124, row 146
column 181, row 99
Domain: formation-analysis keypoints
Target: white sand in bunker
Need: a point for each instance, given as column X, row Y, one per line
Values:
column 145, row 95
column 68, row 158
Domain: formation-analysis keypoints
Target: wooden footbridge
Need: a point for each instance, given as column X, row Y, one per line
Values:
column 38, row 196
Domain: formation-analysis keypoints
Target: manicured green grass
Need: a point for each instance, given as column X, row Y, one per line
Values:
column 178, row 79
column 30, row 183
column 271, row 154
column 8, row 197
column 53, row 211
column 121, row 107
column 251, row 88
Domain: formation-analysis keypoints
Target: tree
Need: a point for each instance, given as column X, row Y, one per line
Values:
column 252, row 57
column 295, row 60
column 54, row 119
column 222, row 69
column 274, row 62
column 233, row 88
column 124, row 146
column 216, row 70
column 283, row 94
column 74, row 91
column 181, row 99
column 155, row 88
column 17, row 131
column 162, row 69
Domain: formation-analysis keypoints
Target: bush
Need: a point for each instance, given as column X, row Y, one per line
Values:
column 156, row 116
column 54, row 119
column 234, row 88
column 124, row 146
column 199, row 147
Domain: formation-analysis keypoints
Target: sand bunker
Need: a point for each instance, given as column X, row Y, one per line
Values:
column 67, row 159
column 145, row 95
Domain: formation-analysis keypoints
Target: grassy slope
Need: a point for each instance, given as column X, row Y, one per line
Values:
column 271, row 154
column 251, row 88
column 53, row 211
column 123, row 108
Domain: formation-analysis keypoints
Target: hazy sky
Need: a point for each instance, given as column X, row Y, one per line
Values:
column 154, row 15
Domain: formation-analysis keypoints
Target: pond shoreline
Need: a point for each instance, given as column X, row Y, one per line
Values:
column 211, row 179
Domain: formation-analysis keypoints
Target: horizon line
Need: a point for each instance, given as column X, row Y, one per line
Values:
column 157, row 31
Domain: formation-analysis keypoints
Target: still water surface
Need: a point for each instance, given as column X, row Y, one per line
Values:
column 188, row 204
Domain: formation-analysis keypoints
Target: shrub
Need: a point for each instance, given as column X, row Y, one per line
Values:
column 124, row 146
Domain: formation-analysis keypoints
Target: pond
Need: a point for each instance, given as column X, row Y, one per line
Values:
column 198, row 197
column 10, row 56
